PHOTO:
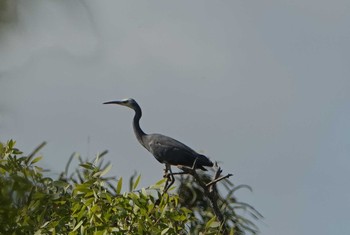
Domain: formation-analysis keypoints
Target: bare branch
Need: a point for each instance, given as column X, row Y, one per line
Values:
column 218, row 179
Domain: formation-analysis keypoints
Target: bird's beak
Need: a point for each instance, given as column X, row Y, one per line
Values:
column 114, row 102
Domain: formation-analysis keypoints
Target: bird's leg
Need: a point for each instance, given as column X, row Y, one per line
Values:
column 170, row 178
column 166, row 175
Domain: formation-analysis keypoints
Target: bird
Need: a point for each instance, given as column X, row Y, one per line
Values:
column 165, row 149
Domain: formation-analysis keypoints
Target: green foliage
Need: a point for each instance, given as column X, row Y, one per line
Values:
column 88, row 202
column 84, row 203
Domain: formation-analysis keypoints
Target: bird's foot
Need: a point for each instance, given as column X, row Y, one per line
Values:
column 166, row 175
column 169, row 182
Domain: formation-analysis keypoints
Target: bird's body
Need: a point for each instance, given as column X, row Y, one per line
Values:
column 165, row 149
column 170, row 151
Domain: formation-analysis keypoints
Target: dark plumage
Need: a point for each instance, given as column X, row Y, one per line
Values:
column 165, row 149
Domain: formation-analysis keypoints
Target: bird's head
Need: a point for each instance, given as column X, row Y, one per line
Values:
column 131, row 103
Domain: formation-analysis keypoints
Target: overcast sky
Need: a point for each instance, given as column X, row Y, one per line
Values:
column 261, row 86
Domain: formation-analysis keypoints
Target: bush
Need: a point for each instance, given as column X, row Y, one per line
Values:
column 88, row 202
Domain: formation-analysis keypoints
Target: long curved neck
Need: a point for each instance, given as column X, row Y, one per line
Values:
column 136, row 125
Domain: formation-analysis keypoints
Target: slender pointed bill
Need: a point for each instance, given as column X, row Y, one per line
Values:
column 114, row 102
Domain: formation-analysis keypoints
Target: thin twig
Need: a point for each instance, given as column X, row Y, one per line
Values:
column 218, row 179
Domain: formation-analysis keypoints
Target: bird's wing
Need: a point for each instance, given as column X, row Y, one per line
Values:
column 171, row 151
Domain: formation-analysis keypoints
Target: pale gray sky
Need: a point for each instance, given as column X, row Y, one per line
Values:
column 262, row 86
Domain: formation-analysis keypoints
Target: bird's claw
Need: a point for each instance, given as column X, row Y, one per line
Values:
column 167, row 176
column 166, row 173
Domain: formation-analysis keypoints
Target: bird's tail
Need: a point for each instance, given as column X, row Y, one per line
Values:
column 203, row 161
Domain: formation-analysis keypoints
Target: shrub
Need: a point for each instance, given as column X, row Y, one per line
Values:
column 89, row 202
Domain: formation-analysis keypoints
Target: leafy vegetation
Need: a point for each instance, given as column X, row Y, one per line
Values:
column 89, row 202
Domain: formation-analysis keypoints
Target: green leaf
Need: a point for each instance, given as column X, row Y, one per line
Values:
column 87, row 165
column 119, row 185
column 106, row 170
column 11, row 143
column 1, row 148
column 209, row 223
column 82, row 188
column 162, row 181
column 35, row 151
column 38, row 169
column 215, row 224
column 136, row 182
column 36, row 159
column 143, row 191
column 78, row 225
column 164, row 231
column 44, row 225
column 89, row 201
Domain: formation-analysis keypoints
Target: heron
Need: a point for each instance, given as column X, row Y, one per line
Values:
column 165, row 149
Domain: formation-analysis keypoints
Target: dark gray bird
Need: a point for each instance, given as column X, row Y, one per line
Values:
column 165, row 149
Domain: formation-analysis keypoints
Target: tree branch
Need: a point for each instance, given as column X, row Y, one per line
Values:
column 210, row 191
